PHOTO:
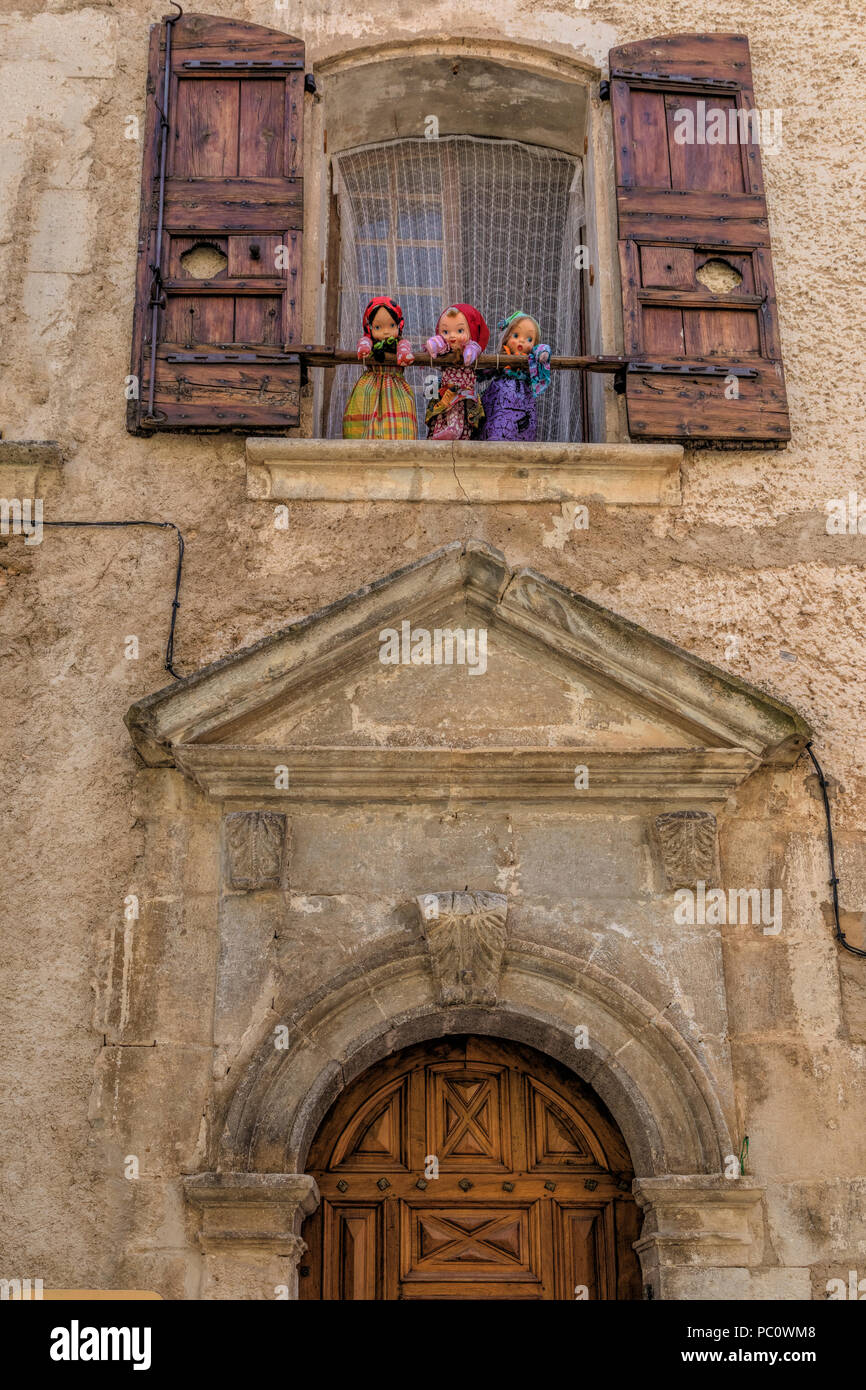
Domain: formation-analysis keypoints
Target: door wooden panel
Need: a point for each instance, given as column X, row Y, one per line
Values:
column 532, row 1199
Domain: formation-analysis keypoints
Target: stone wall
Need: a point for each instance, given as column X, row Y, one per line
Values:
column 90, row 1001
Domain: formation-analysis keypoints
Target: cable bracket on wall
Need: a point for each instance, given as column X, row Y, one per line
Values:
column 161, row 525
column 833, row 879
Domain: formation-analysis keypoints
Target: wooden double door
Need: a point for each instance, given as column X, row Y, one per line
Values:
column 470, row 1168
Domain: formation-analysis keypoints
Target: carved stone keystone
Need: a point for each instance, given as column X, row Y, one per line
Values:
column 465, row 935
column 690, row 847
column 255, row 849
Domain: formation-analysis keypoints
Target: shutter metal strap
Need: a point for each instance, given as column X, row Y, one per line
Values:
column 253, row 65
column 157, row 293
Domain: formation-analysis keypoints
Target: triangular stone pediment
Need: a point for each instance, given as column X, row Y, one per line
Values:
column 377, row 695
column 518, row 692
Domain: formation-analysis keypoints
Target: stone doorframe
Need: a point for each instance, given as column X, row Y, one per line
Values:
column 661, row 1087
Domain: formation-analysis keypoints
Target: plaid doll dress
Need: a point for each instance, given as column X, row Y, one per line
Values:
column 381, row 406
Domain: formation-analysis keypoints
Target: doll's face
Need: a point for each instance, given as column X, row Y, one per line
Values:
column 521, row 337
column 382, row 325
column 455, row 330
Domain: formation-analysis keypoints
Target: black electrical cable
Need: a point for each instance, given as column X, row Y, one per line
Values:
column 833, row 880
column 169, row 647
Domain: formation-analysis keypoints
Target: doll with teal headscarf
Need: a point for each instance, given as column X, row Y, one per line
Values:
column 511, row 399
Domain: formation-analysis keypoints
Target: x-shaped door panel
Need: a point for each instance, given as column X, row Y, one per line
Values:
column 468, row 1116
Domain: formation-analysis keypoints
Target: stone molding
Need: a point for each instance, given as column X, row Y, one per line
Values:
column 24, row 463
column 249, row 1233
column 239, row 1207
column 465, row 935
column 696, row 1223
column 690, row 847
column 361, row 775
column 426, row 470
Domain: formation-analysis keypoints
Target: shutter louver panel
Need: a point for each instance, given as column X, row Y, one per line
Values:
column 229, row 284
column 680, row 206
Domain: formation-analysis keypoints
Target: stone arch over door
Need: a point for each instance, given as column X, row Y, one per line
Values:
column 656, row 1084
column 469, row 1168
column 659, row 1088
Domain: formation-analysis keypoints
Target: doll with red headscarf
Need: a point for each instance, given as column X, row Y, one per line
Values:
column 381, row 405
column 456, row 410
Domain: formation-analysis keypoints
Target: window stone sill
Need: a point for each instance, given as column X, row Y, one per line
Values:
column 424, row 470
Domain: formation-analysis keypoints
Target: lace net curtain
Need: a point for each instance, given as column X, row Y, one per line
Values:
column 493, row 223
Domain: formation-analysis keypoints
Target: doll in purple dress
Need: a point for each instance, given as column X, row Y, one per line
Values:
column 511, row 399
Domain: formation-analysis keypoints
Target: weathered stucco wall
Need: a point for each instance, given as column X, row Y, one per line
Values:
column 745, row 557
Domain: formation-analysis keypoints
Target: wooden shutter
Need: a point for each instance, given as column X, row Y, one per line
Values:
column 232, row 188
column 679, row 206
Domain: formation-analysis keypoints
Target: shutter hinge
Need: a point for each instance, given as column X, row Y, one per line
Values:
column 604, row 91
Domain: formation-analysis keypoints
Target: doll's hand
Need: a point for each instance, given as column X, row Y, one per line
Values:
column 436, row 345
column 404, row 353
column 542, row 352
column 470, row 352
column 365, row 346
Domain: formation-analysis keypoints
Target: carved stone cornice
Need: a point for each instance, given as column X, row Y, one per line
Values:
column 465, row 935
column 695, row 1222
column 258, row 1211
column 250, row 1231
column 653, row 777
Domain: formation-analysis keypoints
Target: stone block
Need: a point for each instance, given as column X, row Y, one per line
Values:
column 801, row 1098
column 245, row 976
column 153, row 1101
column 759, row 992
column 181, row 856
column 162, row 971
column 813, row 1221
column 586, row 856
column 396, row 851
column 317, row 937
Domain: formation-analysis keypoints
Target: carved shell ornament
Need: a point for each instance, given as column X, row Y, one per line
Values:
column 690, row 847
column 255, row 849
column 465, row 935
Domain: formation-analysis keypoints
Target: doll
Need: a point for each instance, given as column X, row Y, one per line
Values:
column 456, row 410
column 381, row 405
column 511, row 399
